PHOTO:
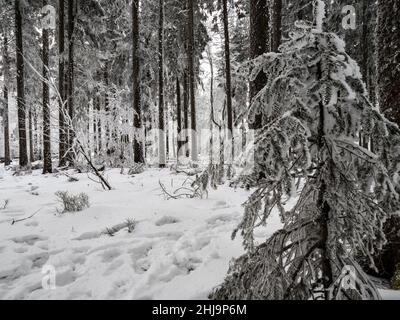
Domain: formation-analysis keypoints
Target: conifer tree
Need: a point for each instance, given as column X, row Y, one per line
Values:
column 317, row 104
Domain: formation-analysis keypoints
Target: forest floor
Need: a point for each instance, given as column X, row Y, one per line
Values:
column 179, row 249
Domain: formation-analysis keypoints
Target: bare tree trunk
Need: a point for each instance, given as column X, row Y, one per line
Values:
column 47, row 164
column 190, row 29
column 71, row 109
column 30, row 136
column 62, row 146
column 161, row 124
column 167, row 151
column 6, row 124
column 212, row 120
column 179, row 117
column 99, row 130
column 138, row 144
column 228, row 77
column 276, row 25
column 259, row 26
column 23, row 149
column 186, row 110
column 109, row 134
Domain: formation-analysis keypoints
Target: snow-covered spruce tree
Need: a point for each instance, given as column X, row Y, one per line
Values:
column 315, row 104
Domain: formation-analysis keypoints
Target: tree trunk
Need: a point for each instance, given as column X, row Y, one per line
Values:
column 186, row 111
column 6, row 124
column 276, row 25
column 190, row 52
column 30, row 136
column 23, row 149
column 228, row 78
column 71, row 111
column 99, row 130
column 47, row 165
column 62, row 145
column 388, row 84
column 138, row 141
column 322, row 204
column 109, row 134
column 179, row 118
column 161, row 124
column 258, row 46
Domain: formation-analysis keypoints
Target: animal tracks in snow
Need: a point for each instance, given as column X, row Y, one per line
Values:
column 176, row 247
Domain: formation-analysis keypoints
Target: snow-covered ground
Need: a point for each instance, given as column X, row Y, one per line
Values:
column 180, row 249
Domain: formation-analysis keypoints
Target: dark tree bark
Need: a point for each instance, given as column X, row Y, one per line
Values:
column 23, row 149
column 63, row 144
column 98, row 133
column 6, row 124
column 186, row 110
column 228, row 74
column 258, row 45
column 137, row 144
column 388, row 84
column 276, row 25
column 109, row 134
column 190, row 52
column 47, row 165
column 161, row 124
column 180, row 141
column 30, row 136
column 71, row 109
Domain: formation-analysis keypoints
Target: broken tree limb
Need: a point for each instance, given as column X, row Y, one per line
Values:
column 31, row 216
column 90, row 163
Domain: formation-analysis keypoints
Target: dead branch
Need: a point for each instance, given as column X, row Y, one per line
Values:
column 90, row 163
column 31, row 216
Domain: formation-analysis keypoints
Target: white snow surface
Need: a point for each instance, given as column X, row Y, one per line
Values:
column 180, row 249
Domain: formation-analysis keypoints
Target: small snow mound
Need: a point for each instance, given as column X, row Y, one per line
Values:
column 167, row 220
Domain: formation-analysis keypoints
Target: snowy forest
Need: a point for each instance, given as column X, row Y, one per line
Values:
column 200, row 149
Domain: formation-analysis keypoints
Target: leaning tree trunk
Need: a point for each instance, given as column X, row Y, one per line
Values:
column 62, row 145
column 137, row 144
column 228, row 77
column 23, row 149
column 190, row 52
column 47, row 165
column 388, row 84
column 71, row 109
column 161, row 124
column 259, row 25
column 6, row 125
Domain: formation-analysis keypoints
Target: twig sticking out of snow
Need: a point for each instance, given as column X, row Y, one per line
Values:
column 130, row 224
column 20, row 220
column 196, row 189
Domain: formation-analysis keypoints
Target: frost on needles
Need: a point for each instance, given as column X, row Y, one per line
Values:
column 315, row 106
